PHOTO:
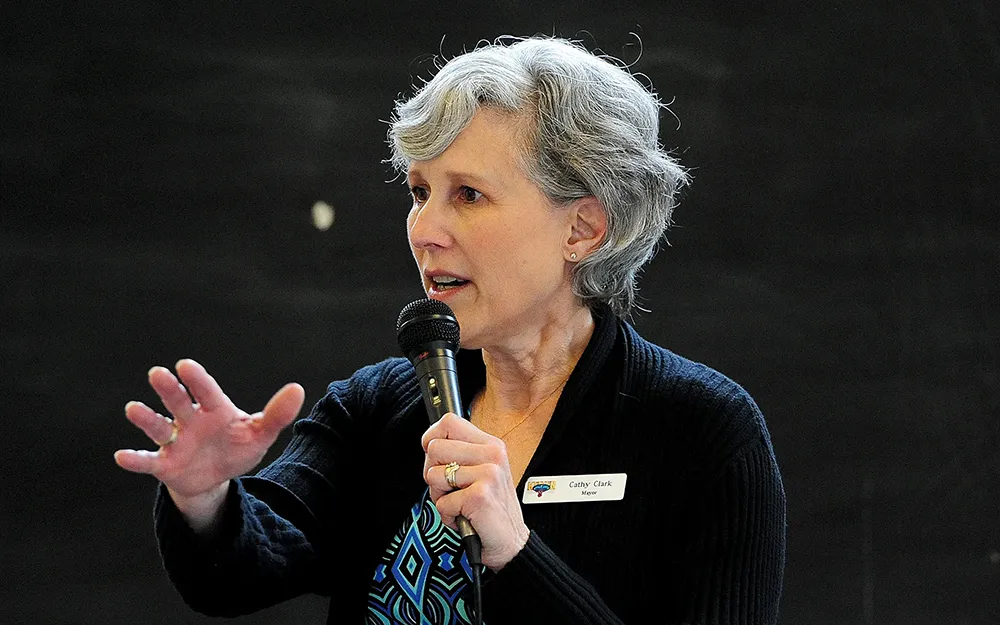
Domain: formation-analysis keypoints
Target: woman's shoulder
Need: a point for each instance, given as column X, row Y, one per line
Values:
column 384, row 387
column 383, row 375
column 659, row 368
column 700, row 404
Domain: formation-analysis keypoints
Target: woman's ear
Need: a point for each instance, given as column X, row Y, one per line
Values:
column 588, row 227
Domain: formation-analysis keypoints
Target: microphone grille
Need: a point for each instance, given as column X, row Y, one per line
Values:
column 424, row 321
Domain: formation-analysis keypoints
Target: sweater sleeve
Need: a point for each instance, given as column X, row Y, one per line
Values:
column 255, row 558
column 734, row 561
column 729, row 571
column 279, row 534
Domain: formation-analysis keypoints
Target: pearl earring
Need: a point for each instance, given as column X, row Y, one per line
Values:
column 572, row 255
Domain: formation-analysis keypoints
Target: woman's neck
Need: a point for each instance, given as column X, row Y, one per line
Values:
column 521, row 377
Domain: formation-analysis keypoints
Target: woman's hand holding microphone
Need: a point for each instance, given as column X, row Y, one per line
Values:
column 480, row 486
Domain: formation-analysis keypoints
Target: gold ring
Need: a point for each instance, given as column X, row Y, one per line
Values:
column 450, row 470
column 173, row 435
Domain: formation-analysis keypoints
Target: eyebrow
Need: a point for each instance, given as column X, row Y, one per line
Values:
column 465, row 177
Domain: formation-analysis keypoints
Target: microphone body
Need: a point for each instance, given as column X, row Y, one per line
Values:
column 428, row 334
column 438, row 376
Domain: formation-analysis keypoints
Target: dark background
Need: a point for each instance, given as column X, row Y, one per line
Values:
column 837, row 254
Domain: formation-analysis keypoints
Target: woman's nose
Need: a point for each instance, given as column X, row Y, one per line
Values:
column 428, row 225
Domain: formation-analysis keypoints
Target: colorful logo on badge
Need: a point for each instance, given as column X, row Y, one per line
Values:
column 541, row 487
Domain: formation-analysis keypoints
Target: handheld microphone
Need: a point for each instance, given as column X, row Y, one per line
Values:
column 428, row 334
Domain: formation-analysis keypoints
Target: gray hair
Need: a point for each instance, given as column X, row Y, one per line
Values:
column 594, row 133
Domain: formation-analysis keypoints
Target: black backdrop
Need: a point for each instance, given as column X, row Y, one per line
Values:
column 837, row 255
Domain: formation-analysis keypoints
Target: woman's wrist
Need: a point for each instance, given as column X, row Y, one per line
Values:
column 204, row 511
column 517, row 547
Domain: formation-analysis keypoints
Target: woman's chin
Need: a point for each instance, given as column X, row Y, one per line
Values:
column 469, row 337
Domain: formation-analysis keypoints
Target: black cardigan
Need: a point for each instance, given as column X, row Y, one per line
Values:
column 698, row 538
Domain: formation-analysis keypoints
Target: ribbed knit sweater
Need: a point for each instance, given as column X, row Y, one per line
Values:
column 699, row 536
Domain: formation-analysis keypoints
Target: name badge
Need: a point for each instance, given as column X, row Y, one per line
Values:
column 571, row 488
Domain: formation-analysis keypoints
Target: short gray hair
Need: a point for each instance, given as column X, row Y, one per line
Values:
column 595, row 133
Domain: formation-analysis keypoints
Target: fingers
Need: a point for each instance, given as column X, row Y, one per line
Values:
column 173, row 395
column 282, row 409
column 158, row 428
column 452, row 426
column 450, row 506
column 467, row 502
column 465, row 476
column 441, row 451
column 203, row 387
column 439, row 487
column 139, row 461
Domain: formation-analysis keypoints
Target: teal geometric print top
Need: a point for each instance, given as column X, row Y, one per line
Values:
column 424, row 576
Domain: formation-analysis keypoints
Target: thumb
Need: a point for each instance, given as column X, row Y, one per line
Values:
column 282, row 409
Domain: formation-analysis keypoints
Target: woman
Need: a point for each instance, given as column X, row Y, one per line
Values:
column 608, row 479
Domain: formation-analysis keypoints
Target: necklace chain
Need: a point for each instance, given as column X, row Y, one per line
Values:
column 527, row 416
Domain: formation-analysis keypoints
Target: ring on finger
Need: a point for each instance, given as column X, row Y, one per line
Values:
column 450, row 470
column 173, row 435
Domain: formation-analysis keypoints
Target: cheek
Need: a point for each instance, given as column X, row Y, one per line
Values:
column 524, row 267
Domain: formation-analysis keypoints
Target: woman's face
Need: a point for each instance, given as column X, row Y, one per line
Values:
column 477, row 218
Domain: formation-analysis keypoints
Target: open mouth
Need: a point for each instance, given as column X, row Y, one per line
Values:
column 446, row 283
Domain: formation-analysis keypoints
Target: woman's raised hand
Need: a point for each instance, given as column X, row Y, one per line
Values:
column 209, row 440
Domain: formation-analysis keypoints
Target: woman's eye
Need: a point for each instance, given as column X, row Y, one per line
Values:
column 469, row 195
column 419, row 194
